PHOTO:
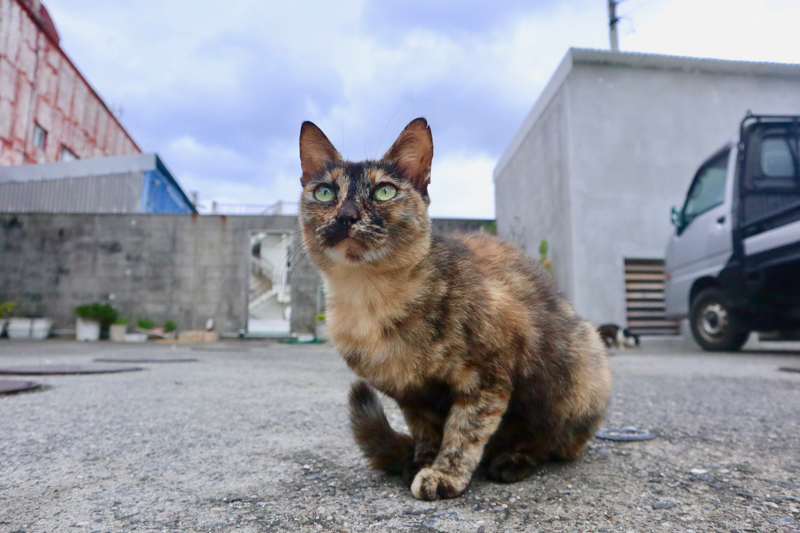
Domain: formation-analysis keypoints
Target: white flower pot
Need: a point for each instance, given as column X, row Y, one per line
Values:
column 87, row 330
column 29, row 328
column 41, row 328
column 322, row 332
column 117, row 332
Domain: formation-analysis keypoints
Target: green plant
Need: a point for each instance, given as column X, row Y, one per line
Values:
column 145, row 323
column 543, row 259
column 103, row 313
column 120, row 321
column 321, row 317
column 170, row 325
column 490, row 227
column 6, row 308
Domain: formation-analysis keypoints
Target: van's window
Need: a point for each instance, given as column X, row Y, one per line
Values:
column 708, row 188
column 776, row 157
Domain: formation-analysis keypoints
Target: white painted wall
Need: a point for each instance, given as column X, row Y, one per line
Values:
column 616, row 145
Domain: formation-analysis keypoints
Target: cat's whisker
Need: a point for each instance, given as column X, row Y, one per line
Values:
column 378, row 146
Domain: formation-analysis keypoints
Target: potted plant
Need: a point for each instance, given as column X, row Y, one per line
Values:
column 170, row 329
column 321, row 328
column 26, row 327
column 91, row 317
column 118, row 330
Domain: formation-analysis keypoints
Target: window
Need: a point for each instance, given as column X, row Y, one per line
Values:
column 39, row 137
column 67, row 154
column 779, row 157
column 708, row 188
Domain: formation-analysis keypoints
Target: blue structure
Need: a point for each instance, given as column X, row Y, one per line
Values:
column 162, row 194
column 138, row 183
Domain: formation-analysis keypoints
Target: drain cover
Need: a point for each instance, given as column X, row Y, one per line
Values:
column 627, row 434
column 53, row 370
column 789, row 369
column 10, row 386
column 219, row 349
column 135, row 359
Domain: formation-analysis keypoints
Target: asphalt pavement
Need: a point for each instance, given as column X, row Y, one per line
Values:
column 254, row 437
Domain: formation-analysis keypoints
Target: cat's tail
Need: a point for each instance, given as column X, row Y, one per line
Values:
column 384, row 448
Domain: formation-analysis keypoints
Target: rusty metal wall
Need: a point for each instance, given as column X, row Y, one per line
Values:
column 39, row 84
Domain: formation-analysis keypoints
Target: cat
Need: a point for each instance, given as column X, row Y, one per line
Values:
column 487, row 361
column 616, row 337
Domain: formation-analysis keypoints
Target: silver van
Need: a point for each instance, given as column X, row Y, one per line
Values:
column 733, row 263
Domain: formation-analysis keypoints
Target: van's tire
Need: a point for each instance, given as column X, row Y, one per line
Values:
column 714, row 326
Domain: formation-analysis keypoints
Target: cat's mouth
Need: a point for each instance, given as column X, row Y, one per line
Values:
column 349, row 243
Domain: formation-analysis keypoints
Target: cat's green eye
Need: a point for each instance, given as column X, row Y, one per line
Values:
column 323, row 193
column 385, row 192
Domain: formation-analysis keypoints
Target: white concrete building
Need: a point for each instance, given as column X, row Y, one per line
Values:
column 611, row 144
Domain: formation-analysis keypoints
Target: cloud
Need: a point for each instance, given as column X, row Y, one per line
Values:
column 461, row 184
column 219, row 89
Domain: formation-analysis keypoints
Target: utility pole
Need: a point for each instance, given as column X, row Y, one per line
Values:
column 612, row 24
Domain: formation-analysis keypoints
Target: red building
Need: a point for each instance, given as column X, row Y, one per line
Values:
column 48, row 111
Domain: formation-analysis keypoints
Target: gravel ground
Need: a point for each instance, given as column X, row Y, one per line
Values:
column 254, row 437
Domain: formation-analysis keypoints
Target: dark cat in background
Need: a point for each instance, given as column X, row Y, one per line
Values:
column 486, row 359
column 614, row 336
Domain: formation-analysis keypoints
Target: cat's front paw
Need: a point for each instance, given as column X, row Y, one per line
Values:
column 430, row 484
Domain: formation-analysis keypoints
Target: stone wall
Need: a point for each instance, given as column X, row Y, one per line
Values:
column 186, row 268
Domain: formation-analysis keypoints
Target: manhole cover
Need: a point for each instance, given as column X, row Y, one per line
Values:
column 627, row 434
column 135, row 359
column 53, row 370
column 219, row 349
column 10, row 386
column 789, row 369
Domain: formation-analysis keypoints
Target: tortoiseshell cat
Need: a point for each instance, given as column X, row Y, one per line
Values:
column 486, row 359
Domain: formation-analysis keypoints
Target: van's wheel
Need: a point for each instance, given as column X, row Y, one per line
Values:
column 714, row 326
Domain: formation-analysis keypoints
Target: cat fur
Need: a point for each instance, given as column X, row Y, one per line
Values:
column 486, row 359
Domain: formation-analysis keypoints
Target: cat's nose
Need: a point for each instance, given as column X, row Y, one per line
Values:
column 348, row 213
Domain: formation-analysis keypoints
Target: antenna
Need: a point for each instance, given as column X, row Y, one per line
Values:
column 612, row 24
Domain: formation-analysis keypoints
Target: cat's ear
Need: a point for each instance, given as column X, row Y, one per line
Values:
column 316, row 151
column 412, row 153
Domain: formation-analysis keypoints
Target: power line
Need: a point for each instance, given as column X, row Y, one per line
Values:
column 637, row 8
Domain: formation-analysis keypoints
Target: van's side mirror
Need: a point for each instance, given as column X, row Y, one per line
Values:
column 676, row 217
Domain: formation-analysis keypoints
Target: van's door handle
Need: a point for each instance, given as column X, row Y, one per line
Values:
column 721, row 220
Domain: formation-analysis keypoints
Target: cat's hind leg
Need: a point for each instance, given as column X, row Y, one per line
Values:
column 518, row 447
column 510, row 467
column 576, row 436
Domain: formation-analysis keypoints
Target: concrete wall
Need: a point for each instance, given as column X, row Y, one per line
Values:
column 445, row 226
column 532, row 192
column 186, row 268
column 611, row 145
column 637, row 137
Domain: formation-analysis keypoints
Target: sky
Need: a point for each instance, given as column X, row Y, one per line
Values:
column 219, row 89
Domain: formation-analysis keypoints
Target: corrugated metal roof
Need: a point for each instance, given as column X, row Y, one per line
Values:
column 116, row 193
column 101, row 185
column 98, row 166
